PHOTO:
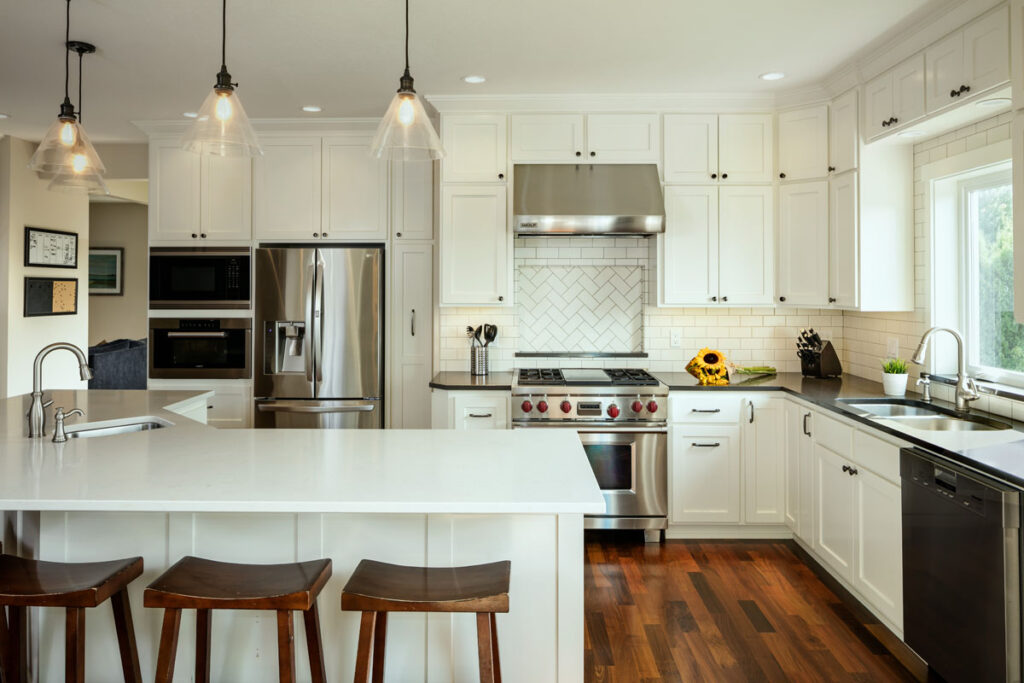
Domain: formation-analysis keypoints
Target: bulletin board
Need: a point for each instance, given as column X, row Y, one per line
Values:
column 50, row 296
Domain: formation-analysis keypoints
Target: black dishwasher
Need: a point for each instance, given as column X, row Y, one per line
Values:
column 961, row 570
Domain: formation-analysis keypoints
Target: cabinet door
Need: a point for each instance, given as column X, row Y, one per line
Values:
column 764, row 466
column 834, row 503
column 795, row 435
column 230, row 407
column 908, row 91
column 688, row 267
column 474, row 245
column 944, row 71
column 226, row 198
column 842, row 227
column 878, row 105
column 803, row 244
column 745, row 148
column 987, row 51
column 475, row 146
column 286, row 189
column 691, row 148
column 173, row 192
column 705, row 475
column 803, row 143
column 745, row 245
column 879, row 568
column 411, row 334
column 623, row 138
column 479, row 411
column 546, row 137
column 843, row 133
column 412, row 200
column 354, row 191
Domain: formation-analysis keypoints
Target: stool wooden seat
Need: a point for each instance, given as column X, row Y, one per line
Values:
column 75, row 587
column 204, row 585
column 376, row 588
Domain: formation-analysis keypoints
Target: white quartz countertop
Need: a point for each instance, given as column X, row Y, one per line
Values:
column 192, row 467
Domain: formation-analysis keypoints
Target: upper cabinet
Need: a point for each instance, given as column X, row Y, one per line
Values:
column 475, row 146
column 567, row 138
column 412, row 200
column 968, row 61
column 803, row 143
column 475, row 258
column 803, row 244
column 623, row 138
column 745, row 148
column 733, row 148
column 691, row 148
column 843, row 137
column 895, row 98
column 286, row 189
column 546, row 137
column 354, row 192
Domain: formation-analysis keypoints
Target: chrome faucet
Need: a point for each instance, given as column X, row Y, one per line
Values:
column 966, row 390
column 36, row 418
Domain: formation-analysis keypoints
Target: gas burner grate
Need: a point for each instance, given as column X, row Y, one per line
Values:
column 631, row 377
column 540, row 376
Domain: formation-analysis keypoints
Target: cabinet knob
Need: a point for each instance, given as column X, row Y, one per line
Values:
column 203, row 235
column 831, row 299
column 831, row 169
column 398, row 234
column 885, row 123
column 725, row 298
column 964, row 88
column 195, row 236
column 782, row 298
column 501, row 176
column 782, row 175
column 714, row 298
column 579, row 154
column 724, row 176
column 323, row 234
column 954, row 93
column 714, row 175
column 501, row 298
column 316, row 234
column 593, row 154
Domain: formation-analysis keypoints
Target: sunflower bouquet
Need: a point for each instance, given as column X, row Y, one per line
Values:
column 709, row 367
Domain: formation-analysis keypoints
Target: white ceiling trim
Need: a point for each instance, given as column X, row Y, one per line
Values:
column 690, row 102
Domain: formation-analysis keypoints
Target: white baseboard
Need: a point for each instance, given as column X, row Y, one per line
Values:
column 728, row 531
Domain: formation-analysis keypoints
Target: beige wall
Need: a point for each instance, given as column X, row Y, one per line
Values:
column 118, row 317
column 25, row 200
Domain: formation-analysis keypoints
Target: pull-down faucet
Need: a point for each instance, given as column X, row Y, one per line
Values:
column 36, row 419
column 966, row 390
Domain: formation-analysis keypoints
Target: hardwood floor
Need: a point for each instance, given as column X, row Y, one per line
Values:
column 720, row 611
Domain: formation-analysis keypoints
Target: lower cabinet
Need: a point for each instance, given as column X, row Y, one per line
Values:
column 834, row 521
column 705, row 474
column 762, row 439
column 878, row 571
column 799, row 470
column 465, row 410
column 411, row 335
column 231, row 405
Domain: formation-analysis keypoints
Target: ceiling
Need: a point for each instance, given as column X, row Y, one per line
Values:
column 157, row 59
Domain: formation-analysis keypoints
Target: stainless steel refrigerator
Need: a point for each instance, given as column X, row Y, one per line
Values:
column 319, row 337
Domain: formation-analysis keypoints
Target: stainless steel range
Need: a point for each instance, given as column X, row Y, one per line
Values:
column 621, row 416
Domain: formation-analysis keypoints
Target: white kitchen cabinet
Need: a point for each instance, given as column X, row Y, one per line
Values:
column 623, row 138
column 803, row 244
column 354, row 191
column 691, row 148
column 843, row 133
column 688, row 253
column 474, row 246
column 464, row 410
column 842, row 240
column 878, row 573
column 540, row 138
column 894, row 99
column 944, row 72
column 745, row 245
column 476, row 148
column 878, row 105
column 835, row 520
column 803, row 143
column 287, row 188
column 225, row 198
column 412, row 200
column 230, row 407
column 411, row 334
column 705, row 483
column 745, row 144
column 762, row 436
column 174, row 188
column 799, row 471
column 968, row 62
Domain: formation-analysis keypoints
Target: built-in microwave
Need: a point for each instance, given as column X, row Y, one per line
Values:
column 198, row 348
column 200, row 277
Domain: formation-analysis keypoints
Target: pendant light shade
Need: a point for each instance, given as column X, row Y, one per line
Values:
column 222, row 127
column 406, row 133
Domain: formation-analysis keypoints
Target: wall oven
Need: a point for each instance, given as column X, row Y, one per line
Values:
column 200, row 277
column 198, row 348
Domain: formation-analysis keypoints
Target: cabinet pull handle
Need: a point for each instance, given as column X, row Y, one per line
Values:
column 807, row 416
column 501, row 176
column 846, row 468
column 714, row 298
column 593, row 154
column 853, row 472
column 963, row 89
column 579, row 154
column 706, row 410
column 203, row 235
column 481, row 415
column 831, row 299
column 954, row 93
column 751, row 420
column 412, row 324
column 195, row 236
column 782, row 299
column 724, row 176
column 501, row 298
column 782, row 175
column 705, row 445
column 714, row 176
column 831, row 169
column 725, row 298
column 316, row 234
column 398, row 234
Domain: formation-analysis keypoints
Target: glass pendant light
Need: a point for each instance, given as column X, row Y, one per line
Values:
column 65, row 149
column 405, row 133
column 222, row 127
column 80, row 176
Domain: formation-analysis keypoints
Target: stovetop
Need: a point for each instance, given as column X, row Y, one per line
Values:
column 631, row 377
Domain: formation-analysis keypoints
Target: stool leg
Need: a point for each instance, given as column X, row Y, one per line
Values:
column 168, row 646
column 314, row 644
column 365, row 646
column 203, row 617
column 74, row 643
column 17, row 655
column 4, row 675
column 286, row 646
column 484, row 648
column 126, row 637
column 494, row 648
column 380, row 632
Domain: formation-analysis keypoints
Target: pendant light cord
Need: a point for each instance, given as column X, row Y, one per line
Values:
column 67, row 50
column 406, row 35
column 223, row 35
column 80, row 53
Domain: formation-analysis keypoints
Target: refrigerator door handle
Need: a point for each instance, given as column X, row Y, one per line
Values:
column 313, row 407
column 307, row 342
column 318, row 304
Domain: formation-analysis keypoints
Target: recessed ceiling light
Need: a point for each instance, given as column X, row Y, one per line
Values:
column 996, row 102
column 911, row 134
column 474, row 79
column 4, row 116
column 190, row 114
column 772, row 76
column 312, row 109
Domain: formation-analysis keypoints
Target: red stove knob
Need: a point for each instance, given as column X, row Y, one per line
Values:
column 613, row 411
column 637, row 406
column 542, row 406
column 527, row 406
column 652, row 406
column 566, row 407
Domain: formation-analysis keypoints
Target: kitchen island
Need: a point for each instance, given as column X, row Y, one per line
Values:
column 438, row 498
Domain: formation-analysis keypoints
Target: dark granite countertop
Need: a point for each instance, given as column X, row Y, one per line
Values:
column 454, row 381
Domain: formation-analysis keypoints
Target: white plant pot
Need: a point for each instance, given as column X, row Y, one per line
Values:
column 894, row 385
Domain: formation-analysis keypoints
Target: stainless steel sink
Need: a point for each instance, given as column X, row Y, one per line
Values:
column 88, row 431
column 920, row 415
column 892, row 408
column 943, row 423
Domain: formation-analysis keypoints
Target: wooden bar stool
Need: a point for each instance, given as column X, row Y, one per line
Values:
column 377, row 588
column 75, row 587
column 204, row 585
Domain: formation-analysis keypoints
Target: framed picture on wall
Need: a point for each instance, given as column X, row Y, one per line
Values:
column 46, row 248
column 106, row 271
column 50, row 296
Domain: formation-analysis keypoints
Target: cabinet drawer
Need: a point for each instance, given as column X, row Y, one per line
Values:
column 879, row 456
column 833, row 435
column 228, row 408
column 704, row 407
column 476, row 411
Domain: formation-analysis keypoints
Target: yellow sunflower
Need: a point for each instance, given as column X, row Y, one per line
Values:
column 708, row 366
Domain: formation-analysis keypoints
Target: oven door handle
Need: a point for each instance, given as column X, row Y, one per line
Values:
column 197, row 335
column 313, row 407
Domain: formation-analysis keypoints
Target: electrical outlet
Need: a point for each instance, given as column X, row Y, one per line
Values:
column 892, row 347
column 675, row 339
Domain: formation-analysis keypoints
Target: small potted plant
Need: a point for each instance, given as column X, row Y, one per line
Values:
column 894, row 377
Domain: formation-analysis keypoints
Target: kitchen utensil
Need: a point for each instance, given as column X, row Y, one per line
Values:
column 490, row 333
column 476, row 335
column 478, row 364
column 469, row 333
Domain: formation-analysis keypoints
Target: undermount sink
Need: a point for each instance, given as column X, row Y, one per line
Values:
column 115, row 427
column 921, row 415
column 943, row 423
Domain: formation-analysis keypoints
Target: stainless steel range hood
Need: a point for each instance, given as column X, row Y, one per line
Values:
column 587, row 199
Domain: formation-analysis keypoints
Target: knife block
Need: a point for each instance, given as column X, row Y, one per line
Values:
column 824, row 364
